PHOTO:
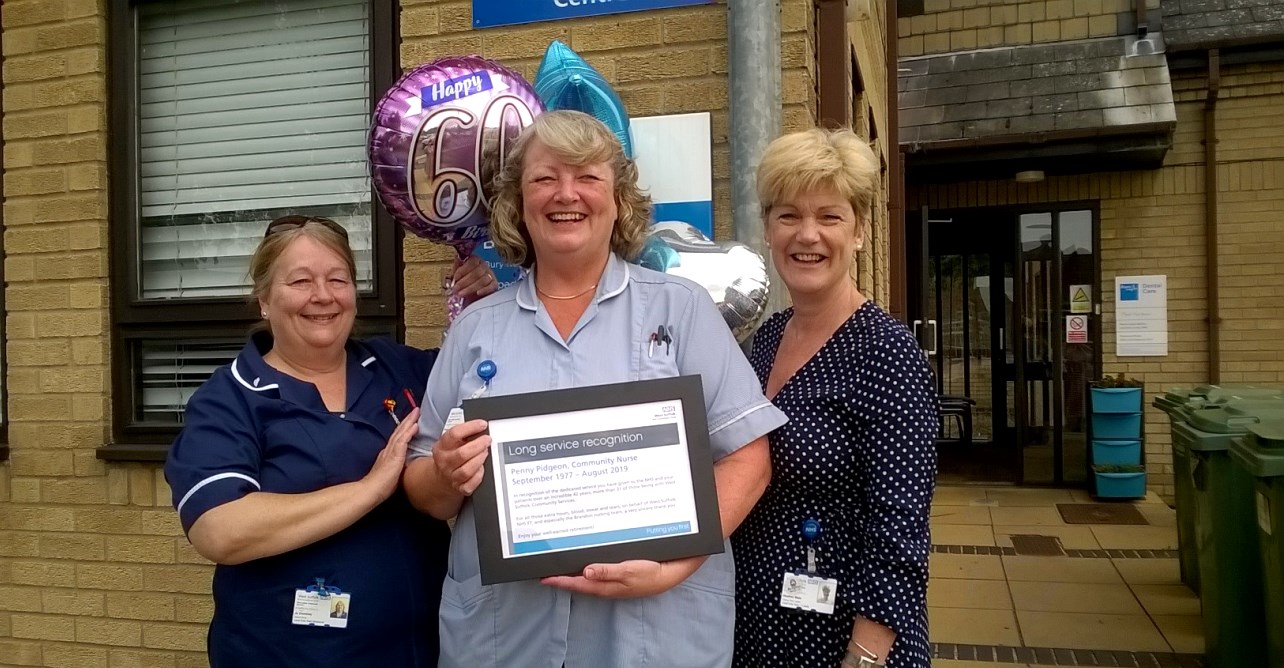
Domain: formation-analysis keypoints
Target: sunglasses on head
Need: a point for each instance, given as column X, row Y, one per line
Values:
column 294, row 222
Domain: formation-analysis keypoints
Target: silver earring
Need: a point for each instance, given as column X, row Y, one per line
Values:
column 263, row 313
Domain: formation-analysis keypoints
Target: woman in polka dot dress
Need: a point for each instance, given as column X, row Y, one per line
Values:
column 857, row 456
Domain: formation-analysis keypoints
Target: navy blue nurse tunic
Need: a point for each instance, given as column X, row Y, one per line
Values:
column 858, row 454
column 251, row 428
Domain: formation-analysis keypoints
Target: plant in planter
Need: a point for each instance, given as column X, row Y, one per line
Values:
column 1120, row 481
column 1119, row 468
column 1116, row 394
column 1116, row 382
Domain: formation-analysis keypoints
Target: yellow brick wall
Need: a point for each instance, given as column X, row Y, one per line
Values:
column 660, row 62
column 94, row 570
column 1152, row 222
column 867, row 37
column 963, row 25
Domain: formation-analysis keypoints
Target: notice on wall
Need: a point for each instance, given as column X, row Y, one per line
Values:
column 1081, row 299
column 1076, row 329
column 675, row 166
column 1141, row 316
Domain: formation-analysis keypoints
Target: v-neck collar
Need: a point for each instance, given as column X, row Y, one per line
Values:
column 255, row 374
column 851, row 321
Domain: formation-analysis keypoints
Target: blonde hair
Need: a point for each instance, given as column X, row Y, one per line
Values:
column 578, row 139
column 819, row 159
column 274, row 244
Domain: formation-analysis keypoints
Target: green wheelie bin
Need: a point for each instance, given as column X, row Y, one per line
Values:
column 1178, row 403
column 1230, row 572
column 1175, row 403
column 1261, row 454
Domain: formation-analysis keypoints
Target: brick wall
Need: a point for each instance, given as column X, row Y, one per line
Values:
column 963, row 25
column 93, row 571
column 661, row 62
column 869, row 119
column 1152, row 222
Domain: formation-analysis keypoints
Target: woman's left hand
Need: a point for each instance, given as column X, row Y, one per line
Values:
column 628, row 579
column 472, row 279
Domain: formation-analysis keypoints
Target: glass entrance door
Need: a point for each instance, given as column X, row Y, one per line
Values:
column 970, row 297
column 1009, row 322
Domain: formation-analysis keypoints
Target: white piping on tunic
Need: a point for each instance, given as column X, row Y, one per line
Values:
column 737, row 418
column 368, row 361
column 215, row 478
column 237, row 375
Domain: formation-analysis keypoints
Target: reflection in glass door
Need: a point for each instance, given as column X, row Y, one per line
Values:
column 970, row 298
column 1038, row 427
column 1057, row 260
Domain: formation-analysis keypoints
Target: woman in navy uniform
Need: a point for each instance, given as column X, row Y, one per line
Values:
column 286, row 473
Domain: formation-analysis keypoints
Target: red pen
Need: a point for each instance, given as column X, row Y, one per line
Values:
column 410, row 397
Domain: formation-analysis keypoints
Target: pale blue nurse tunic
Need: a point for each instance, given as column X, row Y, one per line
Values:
column 532, row 625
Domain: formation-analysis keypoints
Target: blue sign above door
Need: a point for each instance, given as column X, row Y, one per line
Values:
column 491, row 13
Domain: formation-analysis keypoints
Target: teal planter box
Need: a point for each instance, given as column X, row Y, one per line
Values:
column 1116, row 426
column 1116, row 452
column 1121, row 485
column 1116, row 400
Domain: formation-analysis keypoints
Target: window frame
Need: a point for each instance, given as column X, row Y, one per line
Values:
column 230, row 318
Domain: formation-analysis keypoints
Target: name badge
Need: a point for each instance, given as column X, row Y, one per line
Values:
column 319, row 605
column 812, row 593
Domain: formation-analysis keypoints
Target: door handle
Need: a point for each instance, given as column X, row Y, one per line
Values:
column 932, row 352
column 1002, row 340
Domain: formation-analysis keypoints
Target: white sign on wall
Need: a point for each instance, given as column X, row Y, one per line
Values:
column 675, row 166
column 1141, row 316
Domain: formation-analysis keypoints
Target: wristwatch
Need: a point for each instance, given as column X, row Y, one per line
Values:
column 863, row 659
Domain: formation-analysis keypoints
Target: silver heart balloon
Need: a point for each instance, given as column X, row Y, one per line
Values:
column 734, row 274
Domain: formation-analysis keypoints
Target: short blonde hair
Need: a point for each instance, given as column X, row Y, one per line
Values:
column 263, row 263
column 819, row 159
column 578, row 139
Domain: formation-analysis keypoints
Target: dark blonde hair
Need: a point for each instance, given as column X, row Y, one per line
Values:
column 578, row 139
column 281, row 234
column 817, row 159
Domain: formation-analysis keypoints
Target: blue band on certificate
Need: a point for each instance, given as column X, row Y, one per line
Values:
column 602, row 538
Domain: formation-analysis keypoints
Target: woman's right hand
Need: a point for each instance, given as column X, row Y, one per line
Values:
column 385, row 474
column 460, row 454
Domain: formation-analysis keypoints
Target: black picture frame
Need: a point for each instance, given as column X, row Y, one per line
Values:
column 708, row 539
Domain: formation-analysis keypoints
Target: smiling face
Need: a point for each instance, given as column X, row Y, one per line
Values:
column 814, row 238
column 311, row 300
column 569, row 210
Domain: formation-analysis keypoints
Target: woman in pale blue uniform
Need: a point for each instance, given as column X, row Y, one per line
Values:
column 568, row 207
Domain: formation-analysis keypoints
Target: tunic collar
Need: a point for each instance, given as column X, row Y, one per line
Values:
column 615, row 277
column 256, row 375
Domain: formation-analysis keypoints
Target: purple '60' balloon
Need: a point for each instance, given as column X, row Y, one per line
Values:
column 439, row 136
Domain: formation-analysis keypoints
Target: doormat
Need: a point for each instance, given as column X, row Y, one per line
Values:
column 1100, row 513
column 1037, row 546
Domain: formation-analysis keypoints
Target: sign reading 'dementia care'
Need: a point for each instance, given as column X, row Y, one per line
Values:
column 491, row 13
column 1141, row 316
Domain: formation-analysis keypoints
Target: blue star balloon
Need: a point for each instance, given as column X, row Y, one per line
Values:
column 566, row 81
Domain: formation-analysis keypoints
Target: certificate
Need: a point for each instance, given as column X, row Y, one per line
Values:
column 598, row 474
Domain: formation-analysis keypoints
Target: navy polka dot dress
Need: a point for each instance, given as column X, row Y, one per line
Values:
column 858, row 454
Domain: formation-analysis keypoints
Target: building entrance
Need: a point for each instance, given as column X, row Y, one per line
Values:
column 1007, row 314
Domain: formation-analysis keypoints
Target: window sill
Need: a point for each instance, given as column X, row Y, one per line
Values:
column 127, row 452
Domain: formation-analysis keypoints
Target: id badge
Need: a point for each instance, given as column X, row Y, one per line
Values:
column 311, row 608
column 809, row 592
